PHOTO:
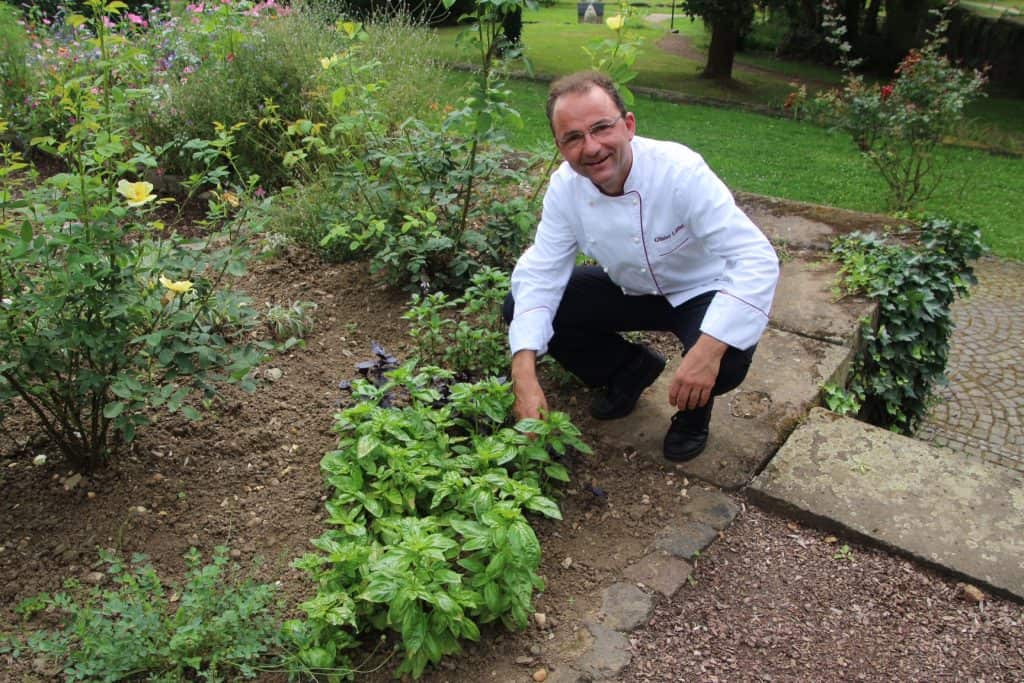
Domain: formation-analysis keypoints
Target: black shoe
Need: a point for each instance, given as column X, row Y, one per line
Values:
column 687, row 435
column 627, row 385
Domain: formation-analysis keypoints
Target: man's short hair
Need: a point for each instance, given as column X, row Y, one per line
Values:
column 579, row 83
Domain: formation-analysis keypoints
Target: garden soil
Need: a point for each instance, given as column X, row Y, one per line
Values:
column 770, row 600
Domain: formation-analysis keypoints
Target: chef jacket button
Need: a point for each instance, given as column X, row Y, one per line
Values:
column 654, row 291
column 643, row 270
column 636, row 240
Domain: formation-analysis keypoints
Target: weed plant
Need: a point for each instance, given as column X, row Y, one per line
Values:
column 293, row 322
column 215, row 626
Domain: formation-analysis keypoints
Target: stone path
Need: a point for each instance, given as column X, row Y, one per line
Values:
column 980, row 412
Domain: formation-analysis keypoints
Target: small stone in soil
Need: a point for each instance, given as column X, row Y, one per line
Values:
column 540, row 619
column 95, row 578
column 540, row 675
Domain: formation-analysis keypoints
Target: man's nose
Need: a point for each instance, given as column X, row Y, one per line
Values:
column 590, row 144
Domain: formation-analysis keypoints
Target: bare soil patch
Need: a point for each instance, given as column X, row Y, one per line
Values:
column 769, row 602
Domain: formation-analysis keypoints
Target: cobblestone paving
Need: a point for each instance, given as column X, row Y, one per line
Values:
column 980, row 411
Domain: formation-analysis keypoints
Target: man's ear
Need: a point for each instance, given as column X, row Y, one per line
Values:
column 630, row 121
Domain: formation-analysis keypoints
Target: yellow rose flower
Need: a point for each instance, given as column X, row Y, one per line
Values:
column 230, row 198
column 179, row 287
column 137, row 194
column 325, row 62
column 615, row 23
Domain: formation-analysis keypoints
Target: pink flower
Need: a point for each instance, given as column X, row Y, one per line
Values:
column 107, row 22
column 197, row 9
column 136, row 19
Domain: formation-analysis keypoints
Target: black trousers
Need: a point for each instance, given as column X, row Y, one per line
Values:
column 593, row 312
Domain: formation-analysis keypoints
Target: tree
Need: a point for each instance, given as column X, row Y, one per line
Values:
column 728, row 20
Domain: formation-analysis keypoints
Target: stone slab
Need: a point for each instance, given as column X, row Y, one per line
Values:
column 713, row 508
column 626, row 608
column 607, row 655
column 799, row 225
column 660, row 571
column 965, row 515
column 806, row 302
column 748, row 423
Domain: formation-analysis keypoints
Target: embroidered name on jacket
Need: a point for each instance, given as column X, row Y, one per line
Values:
column 675, row 231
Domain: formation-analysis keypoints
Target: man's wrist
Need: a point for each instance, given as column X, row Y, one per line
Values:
column 524, row 365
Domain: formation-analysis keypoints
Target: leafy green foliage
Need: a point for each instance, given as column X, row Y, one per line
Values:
column 465, row 334
column 214, row 626
column 899, row 125
column 428, row 501
column 104, row 313
column 915, row 286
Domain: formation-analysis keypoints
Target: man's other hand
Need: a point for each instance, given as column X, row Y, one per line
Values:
column 693, row 381
column 530, row 399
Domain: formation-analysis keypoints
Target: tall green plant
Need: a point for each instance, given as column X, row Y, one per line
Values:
column 616, row 56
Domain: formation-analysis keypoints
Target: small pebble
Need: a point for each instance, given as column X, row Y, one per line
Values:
column 540, row 619
column 540, row 675
column 39, row 460
column 973, row 593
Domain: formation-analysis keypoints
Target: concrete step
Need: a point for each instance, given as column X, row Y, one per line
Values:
column 941, row 507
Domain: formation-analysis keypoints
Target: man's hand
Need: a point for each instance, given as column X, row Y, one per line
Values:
column 693, row 381
column 530, row 399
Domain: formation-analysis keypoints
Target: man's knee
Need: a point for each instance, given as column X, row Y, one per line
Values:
column 733, row 369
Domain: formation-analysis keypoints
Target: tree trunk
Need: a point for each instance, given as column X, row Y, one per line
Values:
column 721, row 52
column 852, row 10
column 871, row 20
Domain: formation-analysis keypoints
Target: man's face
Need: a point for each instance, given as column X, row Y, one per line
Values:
column 594, row 138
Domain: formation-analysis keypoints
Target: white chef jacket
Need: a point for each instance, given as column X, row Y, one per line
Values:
column 675, row 232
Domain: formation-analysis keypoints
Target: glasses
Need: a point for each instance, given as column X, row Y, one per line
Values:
column 599, row 131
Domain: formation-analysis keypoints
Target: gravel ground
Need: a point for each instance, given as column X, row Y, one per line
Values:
column 776, row 601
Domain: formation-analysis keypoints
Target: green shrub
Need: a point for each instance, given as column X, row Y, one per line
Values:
column 404, row 208
column 215, row 626
column 105, row 315
column 429, row 538
column 244, row 70
column 915, row 286
column 898, row 126
column 465, row 334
